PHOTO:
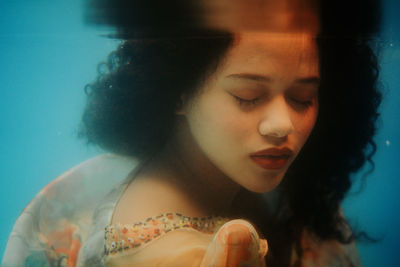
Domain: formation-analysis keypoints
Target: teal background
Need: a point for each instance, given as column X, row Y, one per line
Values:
column 47, row 55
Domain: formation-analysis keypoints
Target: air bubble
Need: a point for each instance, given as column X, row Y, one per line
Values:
column 102, row 68
column 88, row 89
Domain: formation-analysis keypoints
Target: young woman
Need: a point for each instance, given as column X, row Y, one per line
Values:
column 204, row 124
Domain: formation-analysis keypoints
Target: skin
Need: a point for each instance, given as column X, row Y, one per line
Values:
column 277, row 74
column 207, row 160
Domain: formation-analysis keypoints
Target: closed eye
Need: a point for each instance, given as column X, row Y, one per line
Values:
column 246, row 102
column 303, row 103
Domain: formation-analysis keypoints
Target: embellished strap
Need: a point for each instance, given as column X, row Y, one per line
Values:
column 120, row 237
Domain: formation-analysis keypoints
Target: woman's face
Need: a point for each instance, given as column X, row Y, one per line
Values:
column 263, row 96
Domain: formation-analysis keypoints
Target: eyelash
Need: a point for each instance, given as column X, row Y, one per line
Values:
column 253, row 102
column 303, row 103
column 245, row 102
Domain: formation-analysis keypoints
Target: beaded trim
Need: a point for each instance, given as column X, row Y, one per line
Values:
column 120, row 237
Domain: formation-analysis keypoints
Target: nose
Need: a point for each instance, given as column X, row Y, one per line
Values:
column 276, row 121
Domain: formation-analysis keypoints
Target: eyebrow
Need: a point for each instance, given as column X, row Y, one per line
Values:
column 249, row 76
column 313, row 80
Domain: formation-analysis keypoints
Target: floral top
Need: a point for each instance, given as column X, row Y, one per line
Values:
column 69, row 224
column 120, row 237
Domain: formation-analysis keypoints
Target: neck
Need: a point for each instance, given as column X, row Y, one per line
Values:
column 188, row 172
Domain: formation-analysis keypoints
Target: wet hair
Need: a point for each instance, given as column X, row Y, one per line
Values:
column 130, row 110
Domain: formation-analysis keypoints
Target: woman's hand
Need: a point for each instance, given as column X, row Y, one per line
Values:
column 236, row 244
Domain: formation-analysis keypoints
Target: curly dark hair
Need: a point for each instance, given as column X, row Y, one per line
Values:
column 130, row 110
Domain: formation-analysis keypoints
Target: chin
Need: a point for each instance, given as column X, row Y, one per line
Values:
column 266, row 181
column 263, row 186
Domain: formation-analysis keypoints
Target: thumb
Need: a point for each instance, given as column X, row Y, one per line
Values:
column 234, row 244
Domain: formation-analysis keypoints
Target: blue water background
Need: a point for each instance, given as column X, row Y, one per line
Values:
column 48, row 55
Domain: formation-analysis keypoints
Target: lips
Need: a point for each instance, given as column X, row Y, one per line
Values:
column 273, row 158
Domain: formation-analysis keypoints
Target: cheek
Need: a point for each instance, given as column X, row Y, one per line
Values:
column 220, row 118
column 304, row 125
column 218, row 128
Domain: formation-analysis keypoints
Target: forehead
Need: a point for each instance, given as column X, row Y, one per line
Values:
column 276, row 54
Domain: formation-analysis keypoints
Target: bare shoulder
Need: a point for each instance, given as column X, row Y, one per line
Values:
column 144, row 198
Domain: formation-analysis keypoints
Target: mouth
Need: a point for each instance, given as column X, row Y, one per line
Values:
column 273, row 158
column 271, row 162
